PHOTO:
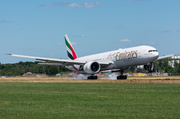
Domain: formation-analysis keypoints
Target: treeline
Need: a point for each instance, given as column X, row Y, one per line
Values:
column 161, row 66
column 24, row 67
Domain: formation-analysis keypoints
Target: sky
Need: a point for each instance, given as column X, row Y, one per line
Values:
column 37, row 28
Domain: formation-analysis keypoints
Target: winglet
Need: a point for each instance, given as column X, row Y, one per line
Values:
column 8, row 54
column 70, row 50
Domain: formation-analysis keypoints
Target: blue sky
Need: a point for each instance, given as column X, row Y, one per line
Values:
column 37, row 28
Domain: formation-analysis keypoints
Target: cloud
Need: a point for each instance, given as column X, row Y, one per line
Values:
column 135, row 0
column 73, row 5
column 53, row 55
column 60, row 44
column 125, row 40
column 91, row 5
column 131, row 0
column 73, row 43
column 172, row 30
column 152, row 43
column 83, row 35
column 5, row 21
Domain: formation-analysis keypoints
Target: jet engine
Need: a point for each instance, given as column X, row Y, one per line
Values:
column 145, row 68
column 92, row 67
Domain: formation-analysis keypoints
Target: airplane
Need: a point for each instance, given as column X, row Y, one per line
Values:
column 117, row 60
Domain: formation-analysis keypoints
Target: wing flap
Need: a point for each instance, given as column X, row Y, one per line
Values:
column 62, row 62
column 52, row 60
column 56, row 64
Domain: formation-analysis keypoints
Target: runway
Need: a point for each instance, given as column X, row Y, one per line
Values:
column 147, row 79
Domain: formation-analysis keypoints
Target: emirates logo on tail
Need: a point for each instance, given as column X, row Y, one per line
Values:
column 70, row 51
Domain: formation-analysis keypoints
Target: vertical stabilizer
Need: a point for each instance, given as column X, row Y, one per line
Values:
column 70, row 50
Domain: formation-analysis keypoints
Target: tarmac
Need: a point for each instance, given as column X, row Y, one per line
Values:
column 130, row 79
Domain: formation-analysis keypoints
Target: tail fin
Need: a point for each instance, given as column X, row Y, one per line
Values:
column 70, row 51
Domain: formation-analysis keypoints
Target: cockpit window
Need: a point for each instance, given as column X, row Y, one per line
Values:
column 152, row 51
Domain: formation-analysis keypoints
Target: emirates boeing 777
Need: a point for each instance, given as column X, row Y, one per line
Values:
column 117, row 60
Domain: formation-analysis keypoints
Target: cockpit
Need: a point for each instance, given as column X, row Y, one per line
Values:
column 152, row 51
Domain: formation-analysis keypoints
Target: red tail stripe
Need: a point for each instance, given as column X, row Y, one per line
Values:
column 73, row 52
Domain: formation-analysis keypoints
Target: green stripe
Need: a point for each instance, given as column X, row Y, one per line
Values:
column 67, row 44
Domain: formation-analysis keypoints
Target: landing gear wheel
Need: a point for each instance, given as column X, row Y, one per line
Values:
column 92, row 77
column 122, row 77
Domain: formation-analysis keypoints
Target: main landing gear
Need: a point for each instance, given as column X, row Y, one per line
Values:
column 92, row 77
column 122, row 77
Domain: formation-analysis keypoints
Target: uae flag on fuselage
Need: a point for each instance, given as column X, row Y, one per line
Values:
column 70, row 51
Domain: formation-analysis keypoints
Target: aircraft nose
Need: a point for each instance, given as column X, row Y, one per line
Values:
column 155, row 55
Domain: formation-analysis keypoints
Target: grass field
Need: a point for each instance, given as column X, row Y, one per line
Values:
column 89, row 100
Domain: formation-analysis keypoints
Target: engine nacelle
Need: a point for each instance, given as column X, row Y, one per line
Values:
column 145, row 68
column 92, row 67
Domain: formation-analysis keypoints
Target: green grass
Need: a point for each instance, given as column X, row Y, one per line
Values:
column 89, row 100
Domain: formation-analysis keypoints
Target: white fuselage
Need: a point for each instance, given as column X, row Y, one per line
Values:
column 122, row 58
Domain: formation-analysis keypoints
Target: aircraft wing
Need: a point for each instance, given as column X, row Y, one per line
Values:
column 63, row 62
column 166, row 56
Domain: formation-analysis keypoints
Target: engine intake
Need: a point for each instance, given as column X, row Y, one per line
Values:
column 92, row 67
column 145, row 68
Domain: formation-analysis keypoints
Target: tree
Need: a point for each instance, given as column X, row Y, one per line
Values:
column 160, row 65
column 130, row 70
column 52, row 70
column 169, row 69
column 23, row 67
column 178, row 68
column 9, row 74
